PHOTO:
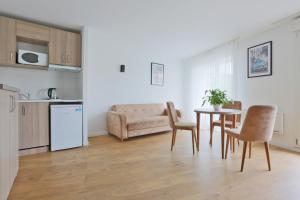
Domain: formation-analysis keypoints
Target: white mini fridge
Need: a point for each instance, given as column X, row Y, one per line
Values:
column 66, row 126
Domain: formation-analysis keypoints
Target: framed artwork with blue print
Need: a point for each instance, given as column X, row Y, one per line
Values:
column 260, row 60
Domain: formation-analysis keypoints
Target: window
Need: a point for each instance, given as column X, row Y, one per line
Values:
column 210, row 70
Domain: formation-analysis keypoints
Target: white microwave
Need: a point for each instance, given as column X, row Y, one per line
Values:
column 32, row 58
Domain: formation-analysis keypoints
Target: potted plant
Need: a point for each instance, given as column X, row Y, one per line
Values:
column 216, row 98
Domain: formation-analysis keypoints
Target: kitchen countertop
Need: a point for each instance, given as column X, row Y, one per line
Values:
column 48, row 100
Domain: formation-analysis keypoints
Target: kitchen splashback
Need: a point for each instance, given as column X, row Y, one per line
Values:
column 36, row 82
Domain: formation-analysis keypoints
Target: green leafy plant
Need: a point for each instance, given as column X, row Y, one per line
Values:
column 216, row 97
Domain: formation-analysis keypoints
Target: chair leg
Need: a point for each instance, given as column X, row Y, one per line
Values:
column 250, row 149
column 211, row 135
column 244, row 154
column 227, row 142
column 230, row 144
column 173, row 138
column 268, row 154
column 193, row 140
column 172, row 141
column 233, row 144
column 195, row 137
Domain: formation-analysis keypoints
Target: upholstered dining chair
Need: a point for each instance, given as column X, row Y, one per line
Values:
column 257, row 127
column 179, row 125
column 228, row 118
column 228, row 123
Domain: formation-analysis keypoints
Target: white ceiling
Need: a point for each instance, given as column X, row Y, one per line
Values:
column 185, row 27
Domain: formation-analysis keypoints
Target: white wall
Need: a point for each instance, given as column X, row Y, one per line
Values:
column 106, row 86
column 36, row 82
column 282, row 87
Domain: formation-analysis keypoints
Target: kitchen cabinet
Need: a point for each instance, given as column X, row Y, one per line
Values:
column 64, row 48
column 9, row 157
column 57, row 46
column 73, row 49
column 32, row 32
column 7, row 41
column 33, row 125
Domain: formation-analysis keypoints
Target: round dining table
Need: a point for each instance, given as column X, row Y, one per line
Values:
column 222, row 113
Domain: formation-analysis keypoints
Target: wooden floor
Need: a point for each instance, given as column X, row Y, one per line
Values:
column 144, row 168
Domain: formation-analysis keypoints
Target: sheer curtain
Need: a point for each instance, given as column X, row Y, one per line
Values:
column 210, row 70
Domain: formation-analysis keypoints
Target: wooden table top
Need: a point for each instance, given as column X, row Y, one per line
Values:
column 221, row 111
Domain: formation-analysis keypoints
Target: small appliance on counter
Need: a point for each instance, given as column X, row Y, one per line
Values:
column 65, row 125
column 52, row 94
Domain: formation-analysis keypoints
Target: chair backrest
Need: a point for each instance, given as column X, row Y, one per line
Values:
column 259, row 123
column 172, row 113
column 234, row 105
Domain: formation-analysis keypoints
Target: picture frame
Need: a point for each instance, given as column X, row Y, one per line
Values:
column 260, row 60
column 157, row 74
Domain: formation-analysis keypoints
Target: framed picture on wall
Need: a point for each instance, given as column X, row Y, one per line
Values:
column 157, row 74
column 260, row 60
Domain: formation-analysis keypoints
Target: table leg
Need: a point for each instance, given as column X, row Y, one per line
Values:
column 198, row 131
column 233, row 126
column 211, row 128
column 234, row 121
column 222, row 133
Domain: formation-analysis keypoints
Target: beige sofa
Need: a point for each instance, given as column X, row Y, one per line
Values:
column 130, row 120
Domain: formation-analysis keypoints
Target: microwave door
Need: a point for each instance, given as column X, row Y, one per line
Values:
column 30, row 58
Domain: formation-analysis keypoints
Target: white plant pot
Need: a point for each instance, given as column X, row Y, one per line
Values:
column 217, row 107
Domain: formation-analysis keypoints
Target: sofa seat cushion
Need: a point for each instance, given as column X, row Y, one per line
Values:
column 147, row 122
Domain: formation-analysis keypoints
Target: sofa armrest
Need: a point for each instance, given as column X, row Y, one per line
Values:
column 116, row 124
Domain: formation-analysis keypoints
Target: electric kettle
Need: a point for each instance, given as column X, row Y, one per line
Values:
column 52, row 93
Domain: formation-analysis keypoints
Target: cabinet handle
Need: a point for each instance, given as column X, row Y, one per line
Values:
column 68, row 58
column 11, row 56
column 63, row 58
column 23, row 110
column 10, row 103
column 14, row 103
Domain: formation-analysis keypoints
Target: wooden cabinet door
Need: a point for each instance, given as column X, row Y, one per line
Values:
column 7, row 40
column 57, row 47
column 73, row 49
column 13, row 137
column 4, row 145
column 33, row 125
column 25, row 126
column 32, row 31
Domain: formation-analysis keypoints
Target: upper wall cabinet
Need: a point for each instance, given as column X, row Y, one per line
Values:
column 57, row 46
column 7, row 40
column 32, row 31
column 64, row 48
column 46, row 45
column 73, row 49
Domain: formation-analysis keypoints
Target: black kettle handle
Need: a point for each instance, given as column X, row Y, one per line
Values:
column 50, row 92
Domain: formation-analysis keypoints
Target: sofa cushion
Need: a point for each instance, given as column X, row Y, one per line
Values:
column 147, row 122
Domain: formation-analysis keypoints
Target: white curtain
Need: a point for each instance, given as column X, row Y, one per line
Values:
column 210, row 70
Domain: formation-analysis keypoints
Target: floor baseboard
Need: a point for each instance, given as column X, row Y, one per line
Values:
column 97, row 133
